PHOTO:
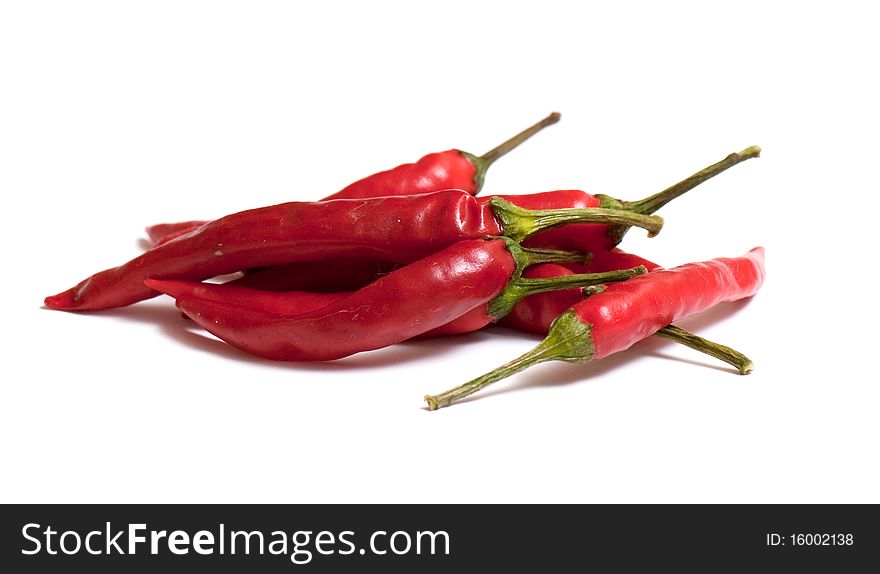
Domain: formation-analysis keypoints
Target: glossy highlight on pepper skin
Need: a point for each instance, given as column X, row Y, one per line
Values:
column 424, row 295
column 626, row 313
column 436, row 171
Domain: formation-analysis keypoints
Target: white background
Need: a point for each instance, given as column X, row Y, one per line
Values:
column 117, row 115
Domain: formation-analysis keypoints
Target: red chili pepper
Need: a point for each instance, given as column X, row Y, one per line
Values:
column 627, row 312
column 452, row 169
column 163, row 232
column 394, row 229
column 410, row 301
column 536, row 313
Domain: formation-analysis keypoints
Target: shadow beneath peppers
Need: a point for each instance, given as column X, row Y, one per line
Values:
column 559, row 373
column 171, row 323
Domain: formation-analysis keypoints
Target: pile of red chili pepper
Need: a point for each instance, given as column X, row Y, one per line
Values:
column 412, row 252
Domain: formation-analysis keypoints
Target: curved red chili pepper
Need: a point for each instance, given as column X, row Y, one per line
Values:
column 287, row 303
column 394, row 229
column 422, row 296
column 452, row 169
column 293, row 303
column 627, row 312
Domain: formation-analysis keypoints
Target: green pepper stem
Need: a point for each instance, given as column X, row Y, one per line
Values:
column 535, row 255
column 521, row 287
column 481, row 164
column 730, row 356
column 568, row 340
column 519, row 223
column 654, row 202
column 571, row 340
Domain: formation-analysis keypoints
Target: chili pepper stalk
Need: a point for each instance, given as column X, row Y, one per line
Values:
column 654, row 202
column 482, row 163
column 732, row 357
column 625, row 313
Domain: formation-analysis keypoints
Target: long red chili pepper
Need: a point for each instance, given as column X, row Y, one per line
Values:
column 410, row 301
column 627, row 312
column 394, row 229
column 536, row 313
column 452, row 169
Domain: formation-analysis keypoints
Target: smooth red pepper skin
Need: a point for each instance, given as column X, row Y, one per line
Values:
column 398, row 229
column 473, row 320
column 630, row 311
column 292, row 303
column 351, row 274
column 434, row 172
column 162, row 232
column 288, row 303
column 422, row 296
column 536, row 313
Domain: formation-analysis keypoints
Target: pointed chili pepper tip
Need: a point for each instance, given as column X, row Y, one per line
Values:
column 68, row 300
column 60, row 302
